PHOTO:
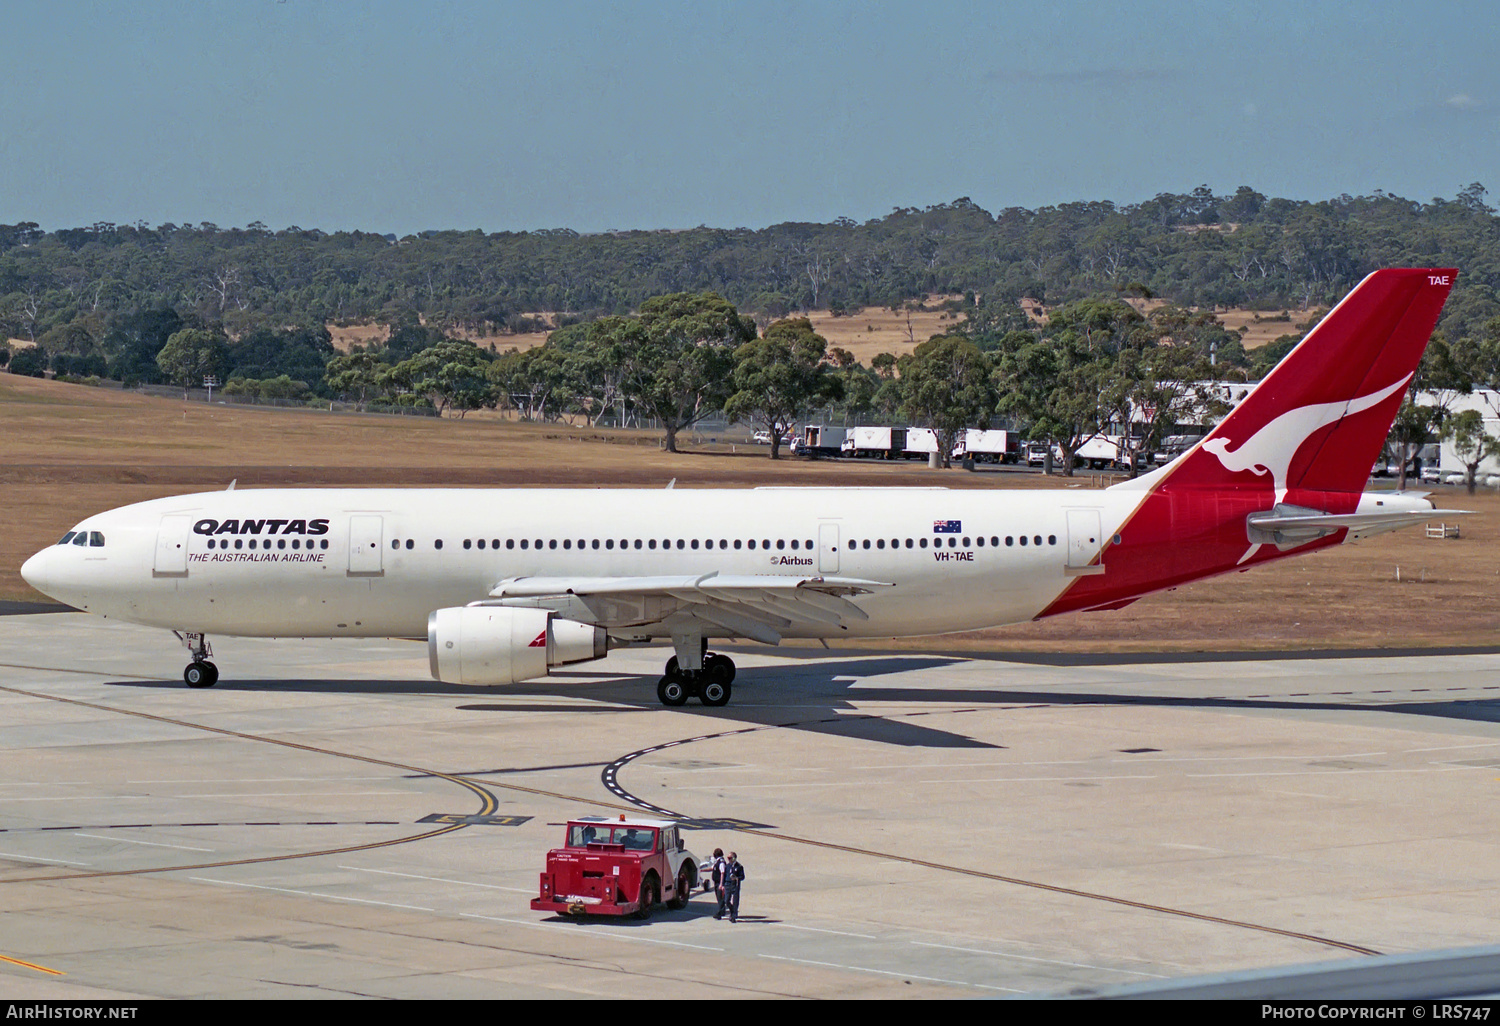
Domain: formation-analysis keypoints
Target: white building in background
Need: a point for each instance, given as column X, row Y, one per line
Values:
column 1487, row 402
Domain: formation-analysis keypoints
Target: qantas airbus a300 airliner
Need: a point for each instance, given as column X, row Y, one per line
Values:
column 505, row 584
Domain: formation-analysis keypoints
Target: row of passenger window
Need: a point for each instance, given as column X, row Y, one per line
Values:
column 709, row 543
column 623, row 543
column 953, row 541
column 265, row 543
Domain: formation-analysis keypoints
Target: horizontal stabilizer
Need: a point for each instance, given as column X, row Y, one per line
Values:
column 1293, row 528
column 1320, row 521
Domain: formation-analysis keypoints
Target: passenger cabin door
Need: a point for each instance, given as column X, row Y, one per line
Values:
column 828, row 548
column 1084, row 542
column 171, row 546
column 366, row 532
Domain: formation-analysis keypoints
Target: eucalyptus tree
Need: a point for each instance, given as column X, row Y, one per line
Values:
column 452, row 375
column 355, row 376
column 681, row 362
column 596, row 357
column 946, row 384
column 1058, row 386
column 778, row 377
column 192, row 354
column 858, row 383
column 1070, row 382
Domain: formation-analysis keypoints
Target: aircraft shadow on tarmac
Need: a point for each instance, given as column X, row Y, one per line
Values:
column 319, row 687
column 833, row 696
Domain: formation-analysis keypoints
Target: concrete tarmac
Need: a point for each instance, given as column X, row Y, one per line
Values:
column 330, row 822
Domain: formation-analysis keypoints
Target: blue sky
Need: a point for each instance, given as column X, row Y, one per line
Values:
column 400, row 116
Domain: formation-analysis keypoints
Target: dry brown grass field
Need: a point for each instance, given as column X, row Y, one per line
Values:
column 346, row 337
column 1258, row 330
column 873, row 330
column 73, row 450
column 866, row 333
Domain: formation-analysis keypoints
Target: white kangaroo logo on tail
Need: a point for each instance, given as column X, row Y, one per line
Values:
column 1271, row 449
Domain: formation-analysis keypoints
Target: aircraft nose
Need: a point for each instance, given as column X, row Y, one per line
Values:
column 34, row 572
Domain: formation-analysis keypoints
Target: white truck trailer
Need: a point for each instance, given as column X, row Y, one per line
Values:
column 822, row 440
column 881, row 443
column 986, row 446
column 1099, row 453
column 920, row 443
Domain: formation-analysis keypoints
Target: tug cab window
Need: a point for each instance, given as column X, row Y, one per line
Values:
column 630, row 838
column 640, row 840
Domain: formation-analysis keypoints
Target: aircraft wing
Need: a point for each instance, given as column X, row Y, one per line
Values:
column 760, row 607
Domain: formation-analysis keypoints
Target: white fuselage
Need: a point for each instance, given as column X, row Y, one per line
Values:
column 377, row 562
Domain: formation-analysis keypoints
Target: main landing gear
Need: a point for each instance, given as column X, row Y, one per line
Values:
column 709, row 683
column 200, row 673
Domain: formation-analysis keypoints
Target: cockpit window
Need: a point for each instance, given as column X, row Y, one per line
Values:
column 81, row 538
column 96, row 539
column 67, row 538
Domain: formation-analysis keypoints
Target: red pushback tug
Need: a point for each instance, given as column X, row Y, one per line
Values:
column 617, row 867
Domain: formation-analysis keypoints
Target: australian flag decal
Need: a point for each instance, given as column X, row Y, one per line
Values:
column 947, row 527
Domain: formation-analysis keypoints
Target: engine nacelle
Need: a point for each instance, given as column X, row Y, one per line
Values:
column 502, row 645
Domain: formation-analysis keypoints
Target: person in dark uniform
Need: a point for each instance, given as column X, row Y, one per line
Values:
column 718, row 881
column 734, row 875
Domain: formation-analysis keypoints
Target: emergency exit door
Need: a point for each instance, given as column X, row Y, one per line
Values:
column 365, row 536
column 828, row 548
column 1085, row 539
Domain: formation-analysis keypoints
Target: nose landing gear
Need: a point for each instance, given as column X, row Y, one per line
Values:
column 200, row 673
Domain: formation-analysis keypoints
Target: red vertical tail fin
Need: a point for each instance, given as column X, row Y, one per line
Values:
column 1300, row 444
column 1319, row 419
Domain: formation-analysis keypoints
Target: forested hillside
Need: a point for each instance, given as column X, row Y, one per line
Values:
column 77, row 285
column 666, row 328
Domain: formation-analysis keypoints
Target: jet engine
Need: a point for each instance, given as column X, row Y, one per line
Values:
column 501, row 645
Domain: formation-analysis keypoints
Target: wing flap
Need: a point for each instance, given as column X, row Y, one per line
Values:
column 757, row 606
column 520, row 587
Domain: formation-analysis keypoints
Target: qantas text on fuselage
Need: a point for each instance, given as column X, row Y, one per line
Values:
column 484, row 575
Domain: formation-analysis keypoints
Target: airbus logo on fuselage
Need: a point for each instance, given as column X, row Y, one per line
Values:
column 791, row 561
column 319, row 526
